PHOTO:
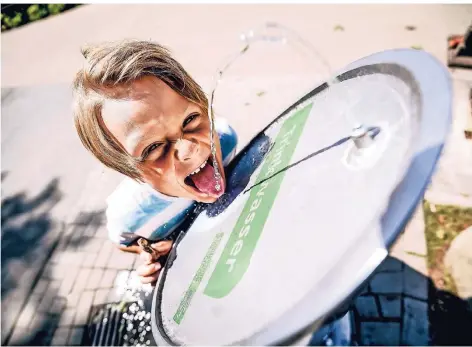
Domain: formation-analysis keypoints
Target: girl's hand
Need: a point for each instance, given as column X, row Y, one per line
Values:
column 148, row 272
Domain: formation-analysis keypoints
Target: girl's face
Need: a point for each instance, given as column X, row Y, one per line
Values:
column 170, row 135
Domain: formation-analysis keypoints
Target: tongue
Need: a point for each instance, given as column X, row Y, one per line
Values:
column 205, row 181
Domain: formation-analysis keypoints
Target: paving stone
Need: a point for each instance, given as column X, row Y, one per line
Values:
column 120, row 260
column 380, row 334
column 415, row 323
column 76, row 336
column 67, row 317
column 73, row 299
column 365, row 289
column 387, row 283
column 410, row 248
column 61, row 336
column 415, row 284
column 11, row 307
column 83, row 308
column 94, row 279
column 44, row 334
column 70, row 257
column 68, row 282
column 58, row 306
column 81, row 280
column 90, row 231
column 77, row 239
column 391, row 305
column 25, row 279
column 28, row 311
column 92, row 246
column 102, row 232
column 104, row 254
column 49, row 296
column 37, row 321
column 12, row 298
column 414, row 237
column 90, row 260
column 38, row 252
column 41, row 286
column 108, row 278
column 54, row 287
column 390, row 264
column 56, row 271
column 367, row 307
column 15, row 269
column 21, row 336
column 101, row 297
column 61, row 246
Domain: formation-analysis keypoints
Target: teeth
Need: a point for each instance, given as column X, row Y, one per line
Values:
column 197, row 170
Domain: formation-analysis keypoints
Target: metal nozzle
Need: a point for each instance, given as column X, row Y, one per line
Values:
column 363, row 137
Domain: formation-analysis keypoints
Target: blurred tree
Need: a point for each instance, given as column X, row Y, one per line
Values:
column 14, row 21
column 36, row 12
column 55, row 8
column 14, row 15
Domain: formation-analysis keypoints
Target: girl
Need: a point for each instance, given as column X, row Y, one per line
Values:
column 140, row 113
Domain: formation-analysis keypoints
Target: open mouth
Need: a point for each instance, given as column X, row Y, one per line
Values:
column 203, row 180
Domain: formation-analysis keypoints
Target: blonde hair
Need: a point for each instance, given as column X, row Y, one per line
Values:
column 110, row 66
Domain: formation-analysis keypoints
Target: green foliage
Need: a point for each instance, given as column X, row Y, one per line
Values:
column 15, row 15
column 12, row 22
column 55, row 8
column 36, row 12
column 443, row 223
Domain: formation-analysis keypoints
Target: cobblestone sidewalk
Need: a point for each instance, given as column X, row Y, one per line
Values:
column 393, row 309
column 86, row 269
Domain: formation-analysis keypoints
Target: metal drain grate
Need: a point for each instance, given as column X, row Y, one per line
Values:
column 107, row 325
column 118, row 324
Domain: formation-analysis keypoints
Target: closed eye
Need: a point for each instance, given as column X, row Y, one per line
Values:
column 190, row 119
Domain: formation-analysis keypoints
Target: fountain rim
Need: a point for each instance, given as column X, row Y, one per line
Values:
column 434, row 127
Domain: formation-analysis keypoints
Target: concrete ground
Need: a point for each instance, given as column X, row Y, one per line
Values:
column 56, row 261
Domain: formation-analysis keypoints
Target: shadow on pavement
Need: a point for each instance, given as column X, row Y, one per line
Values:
column 25, row 222
column 47, row 318
column 31, row 312
column 400, row 306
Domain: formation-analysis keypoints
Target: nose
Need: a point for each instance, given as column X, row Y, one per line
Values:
column 185, row 149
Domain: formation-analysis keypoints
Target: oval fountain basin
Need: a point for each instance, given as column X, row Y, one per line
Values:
column 307, row 217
